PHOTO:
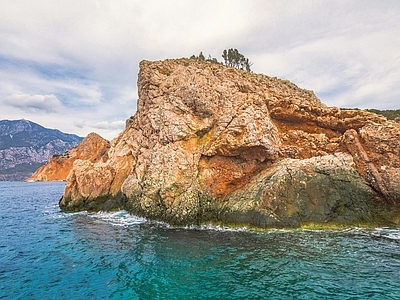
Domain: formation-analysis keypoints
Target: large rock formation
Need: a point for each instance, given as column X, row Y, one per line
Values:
column 210, row 143
column 93, row 148
column 24, row 146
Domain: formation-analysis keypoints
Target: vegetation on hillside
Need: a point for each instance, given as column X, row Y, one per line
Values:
column 202, row 57
column 232, row 58
column 23, row 168
column 389, row 114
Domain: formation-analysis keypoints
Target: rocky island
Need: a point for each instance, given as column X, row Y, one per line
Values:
column 210, row 143
column 92, row 148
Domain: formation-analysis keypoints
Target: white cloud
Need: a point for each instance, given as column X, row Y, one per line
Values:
column 120, row 125
column 34, row 103
column 83, row 56
column 79, row 123
column 350, row 58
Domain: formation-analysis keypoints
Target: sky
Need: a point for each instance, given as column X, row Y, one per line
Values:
column 73, row 64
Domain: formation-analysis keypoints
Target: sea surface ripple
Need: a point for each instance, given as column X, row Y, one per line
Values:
column 48, row 254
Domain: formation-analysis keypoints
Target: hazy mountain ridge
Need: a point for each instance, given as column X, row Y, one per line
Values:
column 25, row 145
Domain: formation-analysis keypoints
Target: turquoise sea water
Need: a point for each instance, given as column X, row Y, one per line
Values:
column 48, row 254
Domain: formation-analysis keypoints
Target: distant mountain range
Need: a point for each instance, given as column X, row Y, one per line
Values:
column 25, row 146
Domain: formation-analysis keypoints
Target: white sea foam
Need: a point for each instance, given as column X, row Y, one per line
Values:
column 205, row 227
column 379, row 232
column 123, row 218
column 119, row 218
column 215, row 228
column 386, row 232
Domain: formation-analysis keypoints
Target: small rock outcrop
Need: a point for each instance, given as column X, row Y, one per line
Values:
column 93, row 148
column 210, row 143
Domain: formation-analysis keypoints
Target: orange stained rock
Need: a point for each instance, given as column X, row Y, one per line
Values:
column 93, row 148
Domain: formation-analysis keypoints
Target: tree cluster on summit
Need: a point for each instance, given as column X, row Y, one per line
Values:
column 232, row 58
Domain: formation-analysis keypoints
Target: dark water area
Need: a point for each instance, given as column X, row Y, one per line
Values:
column 48, row 254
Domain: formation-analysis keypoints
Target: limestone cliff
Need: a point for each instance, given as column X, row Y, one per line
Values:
column 93, row 148
column 210, row 143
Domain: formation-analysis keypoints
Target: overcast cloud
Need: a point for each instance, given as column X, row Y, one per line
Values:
column 73, row 65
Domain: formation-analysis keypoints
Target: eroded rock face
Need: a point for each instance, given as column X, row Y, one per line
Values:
column 93, row 148
column 211, row 143
column 376, row 151
column 294, row 192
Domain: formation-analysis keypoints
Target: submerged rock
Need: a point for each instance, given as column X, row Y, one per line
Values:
column 210, row 143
